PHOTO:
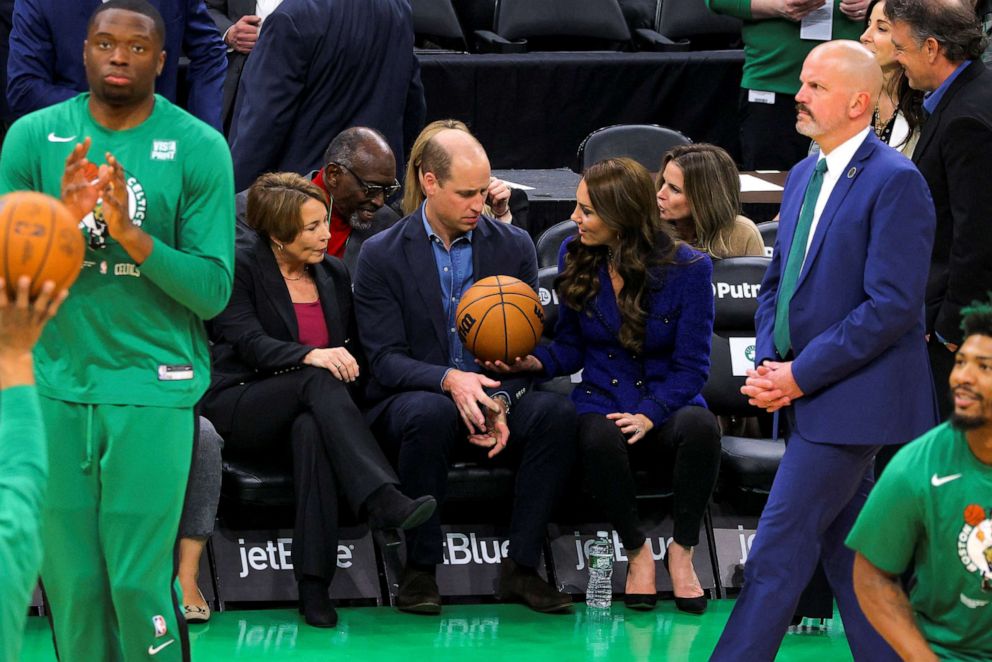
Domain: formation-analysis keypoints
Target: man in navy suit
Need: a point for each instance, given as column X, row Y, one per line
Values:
column 319, row 67
column 840, row 349
column 939, row 45
column 429, row 396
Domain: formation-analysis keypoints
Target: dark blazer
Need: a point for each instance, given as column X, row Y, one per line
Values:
column 856, row 315
column 46, row 55
column 671, row 369
column 955, row 156
column 226, row 13
column 319, row 67
column 398, row 302
column 385, row 218
column 257, row 335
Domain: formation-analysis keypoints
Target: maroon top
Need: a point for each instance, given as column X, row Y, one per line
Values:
column 313, row 327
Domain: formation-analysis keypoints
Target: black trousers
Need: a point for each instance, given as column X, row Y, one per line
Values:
column 941, row 364
column 425, row 430
column 769, row 140
column 691, row 435
column 332, row 447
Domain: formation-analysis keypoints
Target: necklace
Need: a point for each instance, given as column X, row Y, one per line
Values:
column 300, row 277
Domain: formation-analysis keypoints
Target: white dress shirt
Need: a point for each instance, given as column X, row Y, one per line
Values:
column 265, row 7
column 837, row 167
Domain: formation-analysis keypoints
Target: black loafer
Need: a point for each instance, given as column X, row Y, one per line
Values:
column 418, row 593
column 520, row 584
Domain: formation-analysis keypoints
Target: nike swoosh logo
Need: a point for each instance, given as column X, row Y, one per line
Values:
column 937, row 481
column 52, row 138
column 972, row 604
column 154, row 650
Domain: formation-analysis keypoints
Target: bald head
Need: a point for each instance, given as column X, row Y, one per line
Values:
column 449, row 147
column 840, row 84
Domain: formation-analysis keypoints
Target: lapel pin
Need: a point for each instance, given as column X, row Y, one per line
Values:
column 852, row 172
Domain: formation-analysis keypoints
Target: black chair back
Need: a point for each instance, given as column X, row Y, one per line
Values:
column 594, row 19
column 549, row 243
column 769, row 232
column 435, row 21
column 549, row 298
column 645, row 143
column 690, row 19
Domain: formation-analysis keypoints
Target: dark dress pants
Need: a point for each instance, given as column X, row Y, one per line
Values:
column 687, row 445
column 332, row 447
column 425, row 430
column 941, row 364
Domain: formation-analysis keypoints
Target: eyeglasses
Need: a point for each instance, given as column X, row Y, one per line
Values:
column 372, row 190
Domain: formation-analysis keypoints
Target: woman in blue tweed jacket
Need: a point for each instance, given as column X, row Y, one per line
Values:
column 636, row 318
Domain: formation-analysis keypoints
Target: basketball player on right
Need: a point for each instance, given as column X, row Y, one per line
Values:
column 121, row 367
column 427, row 393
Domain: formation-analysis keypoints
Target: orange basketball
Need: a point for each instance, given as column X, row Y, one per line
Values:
column 500, row 318
column 40, row 239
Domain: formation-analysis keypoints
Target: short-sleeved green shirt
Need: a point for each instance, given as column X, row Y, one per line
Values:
column 932, row 510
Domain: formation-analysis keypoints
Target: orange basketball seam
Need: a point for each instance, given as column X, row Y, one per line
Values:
column 48, row 248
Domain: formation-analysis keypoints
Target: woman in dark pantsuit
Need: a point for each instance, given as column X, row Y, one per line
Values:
column 285, row 360
column 636, row 317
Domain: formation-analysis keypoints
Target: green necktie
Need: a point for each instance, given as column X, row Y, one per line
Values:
column 794, row 263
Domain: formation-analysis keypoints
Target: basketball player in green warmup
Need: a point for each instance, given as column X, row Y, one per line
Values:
column 121, row 368
column 23, row 460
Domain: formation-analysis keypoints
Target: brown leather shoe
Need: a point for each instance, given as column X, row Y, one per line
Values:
column 521, row 584
column 418, row 593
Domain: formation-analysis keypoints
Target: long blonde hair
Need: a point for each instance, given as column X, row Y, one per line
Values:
column 413, row 196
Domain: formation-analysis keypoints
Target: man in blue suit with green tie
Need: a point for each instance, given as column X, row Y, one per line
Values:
column 840, row 349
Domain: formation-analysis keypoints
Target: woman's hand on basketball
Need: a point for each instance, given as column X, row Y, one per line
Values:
column 529, row 363
column 82, row 181
column 337, row 360
column 635, row 426
column 21, row 320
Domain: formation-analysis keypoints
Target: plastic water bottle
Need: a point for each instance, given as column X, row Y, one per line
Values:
column 599, row 593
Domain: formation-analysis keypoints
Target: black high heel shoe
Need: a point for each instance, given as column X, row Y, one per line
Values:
column 639, row 601
column 688, row 605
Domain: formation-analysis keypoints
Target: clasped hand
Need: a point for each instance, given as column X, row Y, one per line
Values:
column 337, row 360
column 84, row 184
column 771, row 386
column 467, row 390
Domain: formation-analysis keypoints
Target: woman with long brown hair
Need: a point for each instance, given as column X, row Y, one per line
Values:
column 636, row 318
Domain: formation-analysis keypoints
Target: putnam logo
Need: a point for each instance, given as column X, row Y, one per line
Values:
column 738, row 291
column 975, row 545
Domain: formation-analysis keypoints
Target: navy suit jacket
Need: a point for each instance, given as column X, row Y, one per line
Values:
column 856, row 318
column 319, row 67
column 954, row 154
column 401, row 320
column 46, row 55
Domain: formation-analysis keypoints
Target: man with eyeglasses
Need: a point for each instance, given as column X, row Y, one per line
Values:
column 359, row 177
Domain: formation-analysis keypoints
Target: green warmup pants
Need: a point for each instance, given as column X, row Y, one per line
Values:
column 117, row 480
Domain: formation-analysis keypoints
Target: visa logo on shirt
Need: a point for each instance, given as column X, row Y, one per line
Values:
column 163, row 150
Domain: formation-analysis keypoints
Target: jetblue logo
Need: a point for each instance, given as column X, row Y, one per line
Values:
column 462, row 549
column 739, row 291
column 278, row 555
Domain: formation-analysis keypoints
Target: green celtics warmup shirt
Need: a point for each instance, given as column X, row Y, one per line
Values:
column 129, row 333
column 932, row 509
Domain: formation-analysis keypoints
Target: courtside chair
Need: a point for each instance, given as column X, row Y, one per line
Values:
column 436, row 26
column 748, row 464
column 690, row 25
column 555, row 25
column 645, row 143
column 549, row 243
column 769, row 232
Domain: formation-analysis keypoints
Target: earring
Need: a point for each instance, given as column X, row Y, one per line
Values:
column 278, row 245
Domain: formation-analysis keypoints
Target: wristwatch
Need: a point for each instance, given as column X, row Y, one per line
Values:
column 505, row 399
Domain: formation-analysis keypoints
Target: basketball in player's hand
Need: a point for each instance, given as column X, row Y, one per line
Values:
column 39, row 239
column 500, row 318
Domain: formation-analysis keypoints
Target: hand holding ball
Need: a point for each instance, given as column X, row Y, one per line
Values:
column 500, row 318
column 40, row 239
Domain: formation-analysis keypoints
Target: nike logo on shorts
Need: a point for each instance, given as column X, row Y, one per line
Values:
column 52, row 138
column 937, row 481
column 155, row 650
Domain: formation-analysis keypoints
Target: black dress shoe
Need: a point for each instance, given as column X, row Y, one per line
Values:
column 688, row 605
column 315, row 605
column 418, row 593
column 388, row 508
column 522, row 584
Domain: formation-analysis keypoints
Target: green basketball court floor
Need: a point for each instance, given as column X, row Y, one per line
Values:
column 473, row 633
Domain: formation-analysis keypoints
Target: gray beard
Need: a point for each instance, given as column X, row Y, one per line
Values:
column 356, row 222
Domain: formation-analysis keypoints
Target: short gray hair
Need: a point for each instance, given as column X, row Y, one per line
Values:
column 951, row 23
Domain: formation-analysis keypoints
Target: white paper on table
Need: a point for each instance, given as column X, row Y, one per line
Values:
column 522, row 187
column 818, row 24
column 752, row 184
